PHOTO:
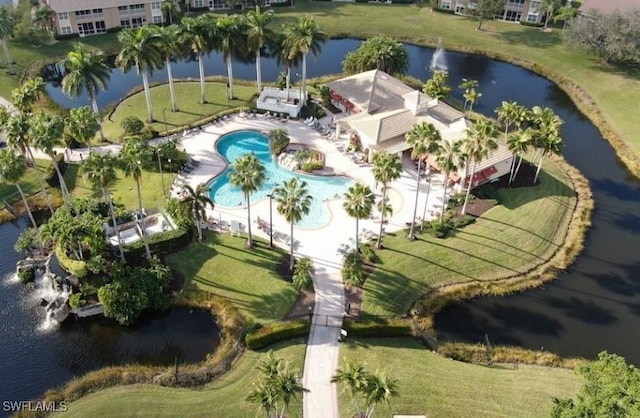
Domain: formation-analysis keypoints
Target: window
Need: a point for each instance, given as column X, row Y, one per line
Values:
column 515, row 4
column 97, row 12
column 82, row 14
column 63, row 16
column 123, row 10
column 138, row 21
column 66, row 30
column 86, row 28
column 532, row 17
column 136, row 8
column 534, row 5
column 100, row 27
column 198, row 3
column 155, row 5
column 157, row 19
column 512, row 16
column 446, row 4
column 125, row 23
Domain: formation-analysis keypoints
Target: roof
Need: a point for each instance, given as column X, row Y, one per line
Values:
column 383, row 126
column 68, row 5
column 609, row 6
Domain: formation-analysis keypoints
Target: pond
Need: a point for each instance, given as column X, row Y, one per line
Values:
column 34, row 359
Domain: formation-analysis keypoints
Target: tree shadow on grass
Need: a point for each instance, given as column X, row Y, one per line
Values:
column 531, row 38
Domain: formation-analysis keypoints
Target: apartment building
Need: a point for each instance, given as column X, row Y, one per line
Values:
column 514, row 10
column 90, row 17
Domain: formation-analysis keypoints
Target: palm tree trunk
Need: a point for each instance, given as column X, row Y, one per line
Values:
column 230, row 75
column 198, row 226
column 63, row 185
column 415, row 207
column 147, row 251
column 115, row 225
column 26, row 206
column 40, row 180
column 357, row 235
column 288, row 78
column 258, row 70
column 539, row 168
column 469, row 187
column 515, row 173
column 147, row 93
column 201, row 68
column 444, row 195
column 291, row 257
column 512, row 168
column 479, row 24
column 174, row 107
column 382, row 214
column 96, row 112
column 249, row 239
column 426, row 203
column 7, row 55
column 535, row 156
column 304, row 78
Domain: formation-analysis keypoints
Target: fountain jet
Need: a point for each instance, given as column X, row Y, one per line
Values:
column 438, row 61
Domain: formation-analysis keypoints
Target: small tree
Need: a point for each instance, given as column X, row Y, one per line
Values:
column 438, row 87
column 380, row 52
column 369, row 388
column 303, row 274
column 483, row 9
column 132, row 125
column 278, row 140
column 353, row 268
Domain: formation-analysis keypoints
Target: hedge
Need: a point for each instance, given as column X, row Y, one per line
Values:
column 278, row 331
column 441, row 10
column 77, row 267
column 532, row 24
column 66, row 37
column 378, row 328
column 162, row 244
column 283, row 4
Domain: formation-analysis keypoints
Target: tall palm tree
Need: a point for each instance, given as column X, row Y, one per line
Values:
column 167, row 42
column 258, row 34
column 6, row 29
column 449, row 159
column 196, row 202
column 131, row 159
column 230, row 37
column 480, row 140
column 248, row 173
column 265, row 397
column 286, row 54
column 199, row 34
column 26, row 96
column 471, row 96
column 544, row 120
column 466, row 85
column 510, row 113
column 379, row 389
column 99, row 170
column 358, row 203
column 43, row 18
column 353, row 377
column 288, row 387
column 47, row 130
column 85, row 70
column 386, row 168
column 549, row 7
column 566, row 13
column 138, row 49
column 16, row 131
column 424, row 139
column 549, row 141
column 294, row 202
column 81, row 126
column 12, row 168
column 169, row 10
column 305, row 36
column 518, row 143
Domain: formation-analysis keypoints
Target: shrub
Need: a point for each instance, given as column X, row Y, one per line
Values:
column 441, row 10
column 532, row 24
column 276, row 332
column 283, row 4
column 76, row 267
column 378, row 328
column 66, row 37
column 27, row 275
column 132, row 125
column 457, row 200
column 303, row 274
column 438, row 229
column 486, row 191
column 162, row 243
column 369, row 254
column 278, row 140
column 309, row 166
column 461, row 222
column 76, row 300
column 353, row 269
column 115, row 29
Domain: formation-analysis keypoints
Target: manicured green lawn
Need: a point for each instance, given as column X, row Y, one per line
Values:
column 28, row 182
column 222, row 265
column 439, row 387
column 223, row 398
column 508, row 239
column 188, row 101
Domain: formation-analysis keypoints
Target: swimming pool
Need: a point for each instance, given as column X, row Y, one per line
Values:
column 235, row 144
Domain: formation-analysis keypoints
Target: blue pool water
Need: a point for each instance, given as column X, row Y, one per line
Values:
column 236, row 144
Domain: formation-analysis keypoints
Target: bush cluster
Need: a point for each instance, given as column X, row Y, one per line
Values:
column 443, row 229
column 353, row 269
column 27, row 275
column 160, row 244
column 279, row 331
column 369, row 254
column 378, row 328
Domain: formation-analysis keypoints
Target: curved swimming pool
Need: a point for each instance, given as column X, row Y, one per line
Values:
column 235, row 144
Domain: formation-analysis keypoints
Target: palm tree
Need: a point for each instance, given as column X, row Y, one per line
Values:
column 26, row 96
column 472, row 96
column 264, row 395
column 294, row 202
column 12, row 168
column 480, row 140
column 546, row 121
column 466, row 85
column 169, row 10
column 379, row 389
column 16, row 131
column 518, row 143
column 87, row 71
column 168, row 45
column 99, row 170
column 258, row 34
column 549, row 141
column 199, row 34
column 358, row 204
column 230, row 37
column 566, row 13
column 196, row 202
column 6, row 29
column 81, row 125
column 47, row 130
column 43, row 17
column 285, row 53
column 304, row 37
column 449, row 159
column 138, row 49
column 423, row 138
column 248, row 173
column 386, row 168
column 354, row 378
column 303, row 274
column 131, row 159
column 549, row 7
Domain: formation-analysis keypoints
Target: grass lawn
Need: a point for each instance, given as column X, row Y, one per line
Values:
column 223, row 398
column 222, row 265
column 189, row 108
column 439, row 387
column 28, row 182
column 507, row 240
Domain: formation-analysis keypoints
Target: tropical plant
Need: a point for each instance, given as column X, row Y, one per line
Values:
column 358, row 203
column 81, row 126
column 424, row 138
column 258, row 34
column 303, row 274
column 386, row 168
column 379, row 389
column 196, row 202
column 43, row 18
column 549, row 142
column 370, row 388
column 12, row 168
column 230, row 37
column 131, row 159
column 510, row 113
column 199, row 34
column 26, row 96
column 99, row 170
column 518, row 143
column 437, row 86
column 87, row 71
column 472, row 97
column 353, row 377
column 566, row 13
column 248, row 173
column 380, row 52
column 480, row 141
column 170, row 11
column 466, row 85
column 549, row 8
column 294, row 202
column 304, row 37
column 285, row 53
column 138, row 49
column 6, row 29
column 546, row 125
column 167, row 42
column 449, row 158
